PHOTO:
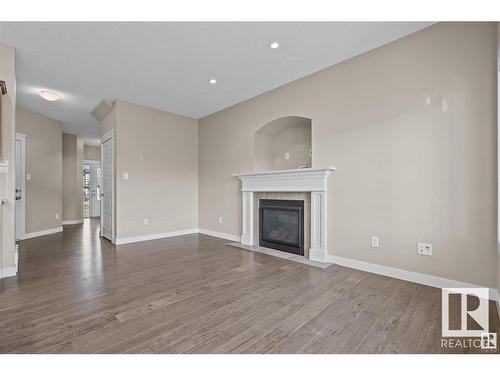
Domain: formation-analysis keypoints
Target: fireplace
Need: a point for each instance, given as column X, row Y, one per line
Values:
column 281, row 225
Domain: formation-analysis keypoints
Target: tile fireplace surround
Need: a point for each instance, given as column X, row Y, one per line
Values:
column 312, row 180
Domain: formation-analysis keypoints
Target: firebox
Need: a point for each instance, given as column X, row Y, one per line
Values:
column 281, row 225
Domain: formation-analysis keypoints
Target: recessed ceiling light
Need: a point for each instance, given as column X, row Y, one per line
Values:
column 212, row 81
column 50, row 96
column 274, row 45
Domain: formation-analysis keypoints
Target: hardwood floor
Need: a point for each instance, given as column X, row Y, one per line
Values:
column 77, row 293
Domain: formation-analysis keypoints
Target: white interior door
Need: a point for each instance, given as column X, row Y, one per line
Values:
column 20, row 196
column 107, row 187
column 95, row 189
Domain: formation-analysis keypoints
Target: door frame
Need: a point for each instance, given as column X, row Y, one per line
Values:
column 92, row 162
column 22, row 138
column 106, row 137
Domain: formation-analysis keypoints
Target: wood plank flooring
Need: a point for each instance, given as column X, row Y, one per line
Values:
column 77, row 293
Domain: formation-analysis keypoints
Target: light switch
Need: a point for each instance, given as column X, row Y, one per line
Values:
column 125, row 175
column 287, row 156
column 28, row 177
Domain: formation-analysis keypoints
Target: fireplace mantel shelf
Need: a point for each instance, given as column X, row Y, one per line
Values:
column 286, row 171
column 313, row 180
column 296, row 180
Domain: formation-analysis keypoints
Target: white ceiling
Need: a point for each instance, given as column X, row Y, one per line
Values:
column 167, row 65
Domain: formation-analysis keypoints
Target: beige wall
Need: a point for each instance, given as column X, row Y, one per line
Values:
column 44, row 164
column 498, row 280
column 72, row 161
column 498, row 164
column 411, row 128
column 91, row 152
column 7, row 235
column 294, row 141
column 289, row 135
column 159, row 151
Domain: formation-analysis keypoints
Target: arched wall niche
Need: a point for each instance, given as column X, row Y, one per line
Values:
column 284, row 143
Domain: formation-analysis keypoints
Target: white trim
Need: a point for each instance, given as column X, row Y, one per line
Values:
column 305, row 179
column 313, row 180
column 22, row 138
column 319, row 207
column 98, row 164
column 246, row 218
column 148, row 237
column 7, row 272
column 16, row 257
column 285, row 171
column 155, row 236
column 42, row 233
column 416, row 277
column 107, row 136
column 226, row 236
column 70, row 222
column 11, row 271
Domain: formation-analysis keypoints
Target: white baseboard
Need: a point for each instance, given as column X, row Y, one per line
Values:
column 419, row 278
column 226, row 236
column 16, row 257
column 8, row 272
column 70, row 222
column 156, row 236
column 318, row 255
column 42, row 233
column 148, row 237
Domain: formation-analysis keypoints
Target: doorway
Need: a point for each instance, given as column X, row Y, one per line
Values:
column 107, row 186
column 20, row 209
column 91, row 188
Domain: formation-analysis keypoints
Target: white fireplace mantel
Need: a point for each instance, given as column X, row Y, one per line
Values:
column 313, row 180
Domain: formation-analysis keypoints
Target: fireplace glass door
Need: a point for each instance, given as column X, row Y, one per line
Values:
column 281, row 225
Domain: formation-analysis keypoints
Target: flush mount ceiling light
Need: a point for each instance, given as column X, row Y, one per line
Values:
column 212, row 81
column 50, row 96
column 274, row 45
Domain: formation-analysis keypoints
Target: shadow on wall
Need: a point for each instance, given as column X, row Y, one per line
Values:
column 284, row 143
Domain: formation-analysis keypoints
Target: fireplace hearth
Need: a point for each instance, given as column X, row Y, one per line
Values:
column 281, row 225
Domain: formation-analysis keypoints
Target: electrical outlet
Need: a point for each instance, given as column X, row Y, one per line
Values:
column 220, row 219
column 146, row 221
column 287, row 155
column 28, row 177
column 375, row 241
column 57, row 216
column 424, row 249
